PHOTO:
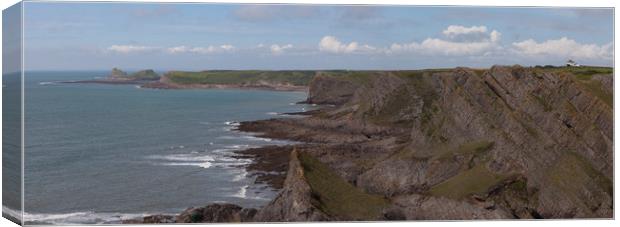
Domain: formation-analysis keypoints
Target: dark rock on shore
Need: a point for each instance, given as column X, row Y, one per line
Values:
column 216, row 213
column 152, row 219
column 270, row 164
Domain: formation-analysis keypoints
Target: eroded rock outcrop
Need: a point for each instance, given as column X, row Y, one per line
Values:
column 294, row 202
column 452, row 140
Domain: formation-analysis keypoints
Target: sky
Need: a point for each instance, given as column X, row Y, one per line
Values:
column 132, row 36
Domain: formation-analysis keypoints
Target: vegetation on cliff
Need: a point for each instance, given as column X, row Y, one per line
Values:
column 143, row 75
column 296, row 78
column 338, row 198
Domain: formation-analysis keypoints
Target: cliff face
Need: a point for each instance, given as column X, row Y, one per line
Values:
column 313, row 192
column 472, row 132
column 295, row 201
column 508, row 142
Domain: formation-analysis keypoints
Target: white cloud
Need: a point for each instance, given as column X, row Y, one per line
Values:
column 333, row 45
column 277, row 49
column 178, row 49
column 495, row 36
column 564, row 47
column 460, row 41
column 456, row 30
column 227, row 47
column 443, row 47
column 125, row 49
column 201, row 50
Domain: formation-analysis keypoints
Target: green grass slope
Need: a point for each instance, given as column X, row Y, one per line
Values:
column 338, row 198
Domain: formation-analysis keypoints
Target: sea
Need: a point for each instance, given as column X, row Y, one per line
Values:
column 100, row 153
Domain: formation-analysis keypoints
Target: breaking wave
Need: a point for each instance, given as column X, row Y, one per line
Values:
column 83, row 217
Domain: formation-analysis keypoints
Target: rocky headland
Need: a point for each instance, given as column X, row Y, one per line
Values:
column 118, row 76
column 508, row 142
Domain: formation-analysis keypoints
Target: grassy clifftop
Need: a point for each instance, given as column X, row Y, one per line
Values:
column 147, row 74
column 297, row 78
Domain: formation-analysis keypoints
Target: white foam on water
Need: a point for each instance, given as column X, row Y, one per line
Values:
column 46, row 83
column 205, row 165
column 241, row 176
column 17, row 214
column 242, row 192
column 239, row 146
column 222, row 151
column 184, row 157
column 254, row 138
column 83, row 217
column 192, row 159
column 230, row 125
column 272, row 113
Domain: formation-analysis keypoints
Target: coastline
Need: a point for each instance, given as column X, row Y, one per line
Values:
column 169, row 85
column 370, row 135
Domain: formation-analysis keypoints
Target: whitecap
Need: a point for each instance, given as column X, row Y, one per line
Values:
column 183, row 157
column 272, row 113
column 204, row 165
column 240, row 176
column 46, row 83
column 256, row 138
column 240, row 146
column 227, row 137
column 223, row 151
column 232, row 123
column 80, row 217
column 242, row 192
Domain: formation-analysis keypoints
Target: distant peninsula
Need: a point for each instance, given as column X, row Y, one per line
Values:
column 118, row 76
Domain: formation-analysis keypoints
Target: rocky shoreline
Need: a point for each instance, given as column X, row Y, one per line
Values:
column 505, row 143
